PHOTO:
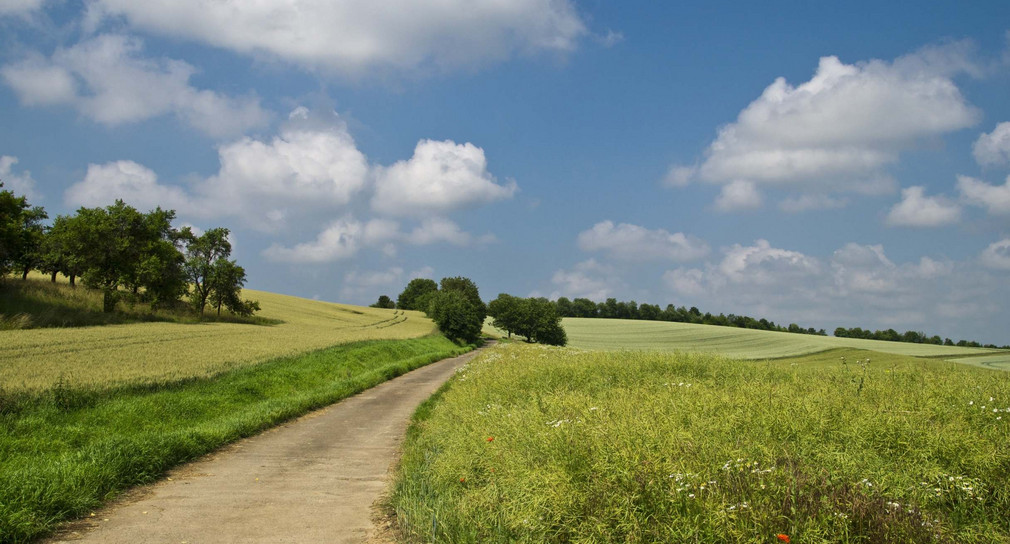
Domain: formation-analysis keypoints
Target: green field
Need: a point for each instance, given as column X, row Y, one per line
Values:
column 620, row 334
column 535, row 444
column 110, row 355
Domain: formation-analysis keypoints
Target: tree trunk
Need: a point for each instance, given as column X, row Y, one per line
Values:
column 73, row 280
column 108, row 300
column 24, row 276
column 53, row 277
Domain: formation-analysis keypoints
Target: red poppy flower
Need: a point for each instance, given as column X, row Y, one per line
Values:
column 783, row 537
column 490, row 439
column 462, row 480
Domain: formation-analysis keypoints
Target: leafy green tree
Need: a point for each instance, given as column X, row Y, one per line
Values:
column 583, row 307
column 226, row 281
column 202, row 253
column 564, row 307
column 505, row 313
column 110, row 241
column 456, row 316
column 63, row 249
column 412, row 295
column 12, row 209
column 384, row 302
column 468, row 288
column 27, row 253
column 536, row 319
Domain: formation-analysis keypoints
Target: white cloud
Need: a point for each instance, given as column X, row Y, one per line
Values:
column 437, row 229
column 680, row 176
column 20, row 184
column 997, row 255
column 107, row 80
column 995, row 198
column 685, row 281
column 842, row 128
column 632, row 242
column 762, row 264
column 340, row 240
column 134, row 183
column 994, row 147
column 588, row 279
column 918, row 210
column 809, row 202
column 355, row 36
column 738, row 195
column 307, row 167
column 439, row 178
column 19, row 7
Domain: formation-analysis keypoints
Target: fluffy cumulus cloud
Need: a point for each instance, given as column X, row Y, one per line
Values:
column 340, row 240
column 19, row 183
column 133, row 183
column 107, row 79
column 918, row 210
column 588, row 279
column 441, row 177
column 808, row 202
column 355, row 36
column 858, row 285
column 994, row 147
column 994, row 198
column 997, row 255
column 842, row 128
column 634, row 243
column 738, row 195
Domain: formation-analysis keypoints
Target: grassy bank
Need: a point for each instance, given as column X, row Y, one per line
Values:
column 66, row 449
column 533, row 444
column 116, row 355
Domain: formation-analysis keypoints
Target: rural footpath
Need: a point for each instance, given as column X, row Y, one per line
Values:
column 314, row 479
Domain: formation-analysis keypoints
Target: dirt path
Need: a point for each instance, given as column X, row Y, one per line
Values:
column 313, row 479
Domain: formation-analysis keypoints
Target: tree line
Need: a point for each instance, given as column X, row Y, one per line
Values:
column 614, row 309
column 118, row 249
column 455, row 306
column 914, row 337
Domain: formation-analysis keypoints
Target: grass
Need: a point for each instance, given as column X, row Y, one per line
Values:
column 618, row 334
column 535, row 444
column 65, row 450
column 114, row 355
column 39, row 303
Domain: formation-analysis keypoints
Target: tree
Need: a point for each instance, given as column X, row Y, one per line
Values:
column 226, row 281
column 11, row 210
column 468, row 288
column 412, row 295
column 27, row 254
column 202, row 253
column 536, row 319
column 456, row 316
column 384, row 302
column 564, row 307
column 110, row 241
column 505, row 312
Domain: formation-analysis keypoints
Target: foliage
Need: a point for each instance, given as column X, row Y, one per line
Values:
column 384, row 302
column 537, row 444
column 457, row 317
column 534, row 318
column 913, row 337
column 141, row 353
column 468, row 289
column 67, row 449
column 410, row 298
column 12, row 209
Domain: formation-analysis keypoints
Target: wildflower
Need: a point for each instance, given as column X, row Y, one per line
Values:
column 783, row 538
column 490, row 439
column 462, row 480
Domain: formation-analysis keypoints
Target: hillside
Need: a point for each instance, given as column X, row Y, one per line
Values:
column 617, row 334
column 156, row 352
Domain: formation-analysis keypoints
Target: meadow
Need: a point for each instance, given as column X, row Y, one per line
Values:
column 156, row 352
column 537, row 444
column 619, row 334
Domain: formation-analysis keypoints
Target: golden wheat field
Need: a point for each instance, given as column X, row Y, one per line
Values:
column 156, row 352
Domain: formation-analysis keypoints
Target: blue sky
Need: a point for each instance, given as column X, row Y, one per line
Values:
column 827, row 164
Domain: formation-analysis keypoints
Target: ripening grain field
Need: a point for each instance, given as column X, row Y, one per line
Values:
column 618, row 334
column 112, row 355
column 536, row 444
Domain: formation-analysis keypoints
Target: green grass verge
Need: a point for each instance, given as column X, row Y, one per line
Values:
column 536, row 444
column 64, row 451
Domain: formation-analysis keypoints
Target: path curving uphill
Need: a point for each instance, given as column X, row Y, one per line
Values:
column 313, row 479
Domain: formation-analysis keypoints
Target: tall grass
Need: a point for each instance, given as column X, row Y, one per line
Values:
column 65, row 450
column 535, row 444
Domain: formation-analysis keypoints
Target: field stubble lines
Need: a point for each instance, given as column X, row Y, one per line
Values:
column 153, row 352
